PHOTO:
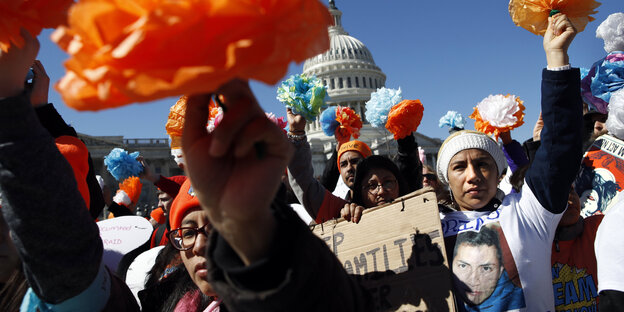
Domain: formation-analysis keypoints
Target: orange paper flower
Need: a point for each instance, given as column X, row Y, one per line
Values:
column 532, row 15
column 497, row 114
column 404, row 118
column 132, row 186
column 175, row 122
column 350, row 122
column 32, row 15
column 125, row 51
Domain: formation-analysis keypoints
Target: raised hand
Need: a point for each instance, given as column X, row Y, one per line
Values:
column 352, row 212
column 236, row 170
column 557, row 40
column 147, row 172
column 14, row 65
column 296, row 123
column 40, row 86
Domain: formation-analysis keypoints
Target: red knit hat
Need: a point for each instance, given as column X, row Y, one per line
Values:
column 182, row 203
column 77, row 155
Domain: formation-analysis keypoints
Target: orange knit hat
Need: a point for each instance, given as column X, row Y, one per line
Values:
column 184, row 201
column 356, row 146
column 77, row 155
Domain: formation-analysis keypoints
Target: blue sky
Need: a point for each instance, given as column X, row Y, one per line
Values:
column 450, row 55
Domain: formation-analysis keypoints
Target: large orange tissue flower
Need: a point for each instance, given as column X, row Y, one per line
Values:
column 404, row 118
column 32, row 15
column 532, row 15
column 125, row 51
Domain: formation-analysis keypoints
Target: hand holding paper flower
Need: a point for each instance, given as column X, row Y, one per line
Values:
column 532, row 15
column 304, row 95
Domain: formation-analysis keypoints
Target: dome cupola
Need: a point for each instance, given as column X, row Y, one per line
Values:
column 347, row 68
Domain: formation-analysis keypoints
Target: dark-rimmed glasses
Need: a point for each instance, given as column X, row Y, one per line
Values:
column 387, row 185
column 184, row 238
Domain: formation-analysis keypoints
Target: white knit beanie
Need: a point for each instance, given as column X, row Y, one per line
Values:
column 468, row 139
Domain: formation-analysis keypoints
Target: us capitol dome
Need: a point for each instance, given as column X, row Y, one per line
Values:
column 350, row 74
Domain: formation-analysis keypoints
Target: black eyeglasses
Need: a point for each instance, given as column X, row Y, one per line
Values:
column 184, row 238
column 388, row 185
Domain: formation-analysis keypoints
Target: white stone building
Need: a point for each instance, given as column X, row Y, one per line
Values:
column 351, row 75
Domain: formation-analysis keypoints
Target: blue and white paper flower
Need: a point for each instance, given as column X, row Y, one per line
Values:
column 379, row 105
column 453, row 119
column 304, row 95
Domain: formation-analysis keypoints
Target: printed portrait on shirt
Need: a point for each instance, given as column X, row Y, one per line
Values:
column 480, row 278
column 601, row 178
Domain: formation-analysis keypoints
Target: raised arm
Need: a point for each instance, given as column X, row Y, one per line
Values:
column 41, row 199
column 559, row 155
column 408, row 161
column 320, row 203
column 262, row 258
column 52, row 121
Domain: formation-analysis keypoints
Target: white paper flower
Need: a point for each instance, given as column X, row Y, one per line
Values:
column 612, row 32
column 615, row 121
column 497, row 114
column 499, row 110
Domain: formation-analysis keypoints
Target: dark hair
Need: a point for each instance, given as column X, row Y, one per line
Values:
column 166, row 256
column 163, row 294
column 375, row 162
column 588, row 180
column 517, row 177
column 13, row 291
column 486, row 236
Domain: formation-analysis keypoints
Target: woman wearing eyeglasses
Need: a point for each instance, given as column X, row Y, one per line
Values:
column 186, row 288
column 378, row 181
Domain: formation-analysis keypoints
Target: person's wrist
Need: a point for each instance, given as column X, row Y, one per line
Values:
column 296, row 136
column 36, row 104
column 11, row 90
column 557, row 58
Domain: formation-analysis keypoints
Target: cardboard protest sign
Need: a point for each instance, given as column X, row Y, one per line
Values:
column 397, row 251
column 601, row 178
column 121, row 235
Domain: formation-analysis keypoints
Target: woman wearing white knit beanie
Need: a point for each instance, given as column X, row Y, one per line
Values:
column 499, row 250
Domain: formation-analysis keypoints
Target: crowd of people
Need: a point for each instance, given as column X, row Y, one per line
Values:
column 227, row 237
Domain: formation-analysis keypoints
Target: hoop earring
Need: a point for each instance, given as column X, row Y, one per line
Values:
column 452, row 199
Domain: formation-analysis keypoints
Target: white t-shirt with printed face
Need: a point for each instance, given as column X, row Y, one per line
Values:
column 609, row 247
column 527, row 230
